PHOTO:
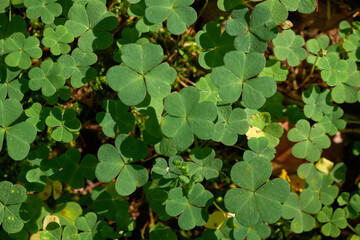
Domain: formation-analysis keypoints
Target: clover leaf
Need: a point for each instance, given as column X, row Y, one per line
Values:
column 204, row 163
column 189, row 206
column 208, row 91
column 235, row 79
column 275, row 70
column 21, row 50
column 37, row 115
column 141, row 72
column 311, row 141
column 317, row 103
column 74, row 173
column 240, row 232
column 332, row 122
column 18, row 135
column 307, row 6
column 300, row 209
column 255, row 201
column 57, row 40
column 215, row 45
column 262, row 125
column 178, row 13
column 345, row 91
column 7, row 28
column 351, row 45
column 279, row 11
column 289, row 46
column 114, row 162
column 11, row 198
column 230, row 124
column 185, row 117
column 315, row 46
column 46, row 9
column 10, row 85
column 334, row 221
column 77, row 66
column 90, row 227
column 116, row 117
column 46, row 77
column 251, row 34
column 172, row 173
column 322, row 184
column 68, row 212
column 92, row 24
column 70, row 233
column 65, row 124
column 51, row 232
column 333, row 70
column 259, row 149
column 274, row 106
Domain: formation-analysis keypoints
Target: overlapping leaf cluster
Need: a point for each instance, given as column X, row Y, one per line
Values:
column 158, row 137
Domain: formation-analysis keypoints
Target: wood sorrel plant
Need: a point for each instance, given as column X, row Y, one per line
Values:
column 134, row 120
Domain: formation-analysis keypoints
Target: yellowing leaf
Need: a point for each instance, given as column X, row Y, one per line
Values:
column 324, row 165
column 57, row 189
column 50, row 218
column 254, row 132
column 215, row 221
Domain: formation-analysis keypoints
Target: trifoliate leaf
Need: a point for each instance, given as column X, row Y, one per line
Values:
column 178, row 13
column 311, row 141
column 230, row 124
column 275, row 70
column 21, row 50
column 251, row 35
column 208, row 91
column 46, row 77
column 77, row 66
column 317, row 103
column 113, row 162
column 190, row 206
column 289, row 46
column 18, row 136
column 57, row 40
column 187, row 117
column 92, row 24
column 235, row 79
column 333, row 70
column 10, row 85
column 204, row 163
column 46, row 9
column 11, row 198
column 141, row 72
column 215, row 45
column 65, row 124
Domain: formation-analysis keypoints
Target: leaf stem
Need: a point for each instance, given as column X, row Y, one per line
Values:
column 311, row 72
column 219, row 208
column 353, row 122
column 143, row 230
column 351, row 227
column 248, row 5
column 241, row 148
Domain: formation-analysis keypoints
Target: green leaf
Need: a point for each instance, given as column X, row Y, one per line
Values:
column 230, row 123
column 278, row 10
column 178, row 13
column 275, row 70
column 256, row 201
column 65, row 124
column 226, row 5
column 332, row 123
column 237, row 74
column 317, row 103
column 70, row 233
column 47, row 78
column 259, row 149
column 52, row 232
column 68, row 213
column 333, row 70
column 307, row 6
column 187, row 117
column 11, row 197
column 74, row 172
column 208, row 91
column 215, row 45
column 316, row 46
column 37, row 115
column 77, row 67
column 92, row 24
column 141, row 72
column 334, row 221
column 251, row 35
column 311, row 141
column 21, row 50
column 115, row 161
column 346, row 91
column 117, row 117
column 10, row 85
column 19, row 136
column 190, row 206
column 46, row 9
column 57, row 40
column 204, row 163
column 289, row 46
